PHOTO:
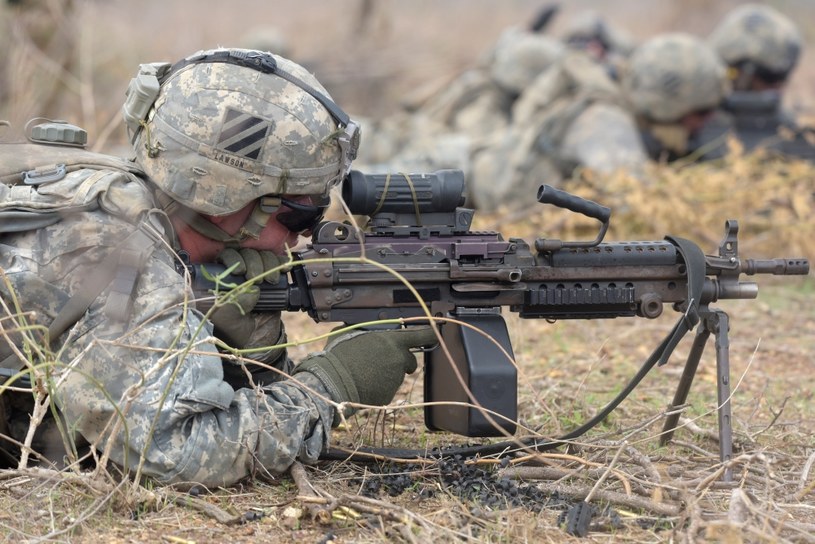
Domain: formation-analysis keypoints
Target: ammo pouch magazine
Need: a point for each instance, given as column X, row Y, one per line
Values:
column 40, row 184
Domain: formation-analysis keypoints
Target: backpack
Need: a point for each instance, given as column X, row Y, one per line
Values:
column 36, row 188
column 40, row 183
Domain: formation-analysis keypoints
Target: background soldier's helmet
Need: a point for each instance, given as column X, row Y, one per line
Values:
column 672, row 75
column 760, row 35
column 225, row 127
column 519, row 57
column 589, row 25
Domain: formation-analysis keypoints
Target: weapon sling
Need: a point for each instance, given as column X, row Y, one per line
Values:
column 119, row 271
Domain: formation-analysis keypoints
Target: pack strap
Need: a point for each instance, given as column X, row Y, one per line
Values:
column 120, row 271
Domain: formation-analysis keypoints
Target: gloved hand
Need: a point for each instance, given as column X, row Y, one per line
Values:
column 234, row 322
column 251, row 263
column 367, row 367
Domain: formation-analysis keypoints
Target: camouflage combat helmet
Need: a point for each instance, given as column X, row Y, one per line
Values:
column 759, row 35
column 519, row 57
column 672, row 75
column 225, row 127
column 590, row 25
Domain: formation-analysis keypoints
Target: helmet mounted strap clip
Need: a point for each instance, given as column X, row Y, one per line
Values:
column 270, row 204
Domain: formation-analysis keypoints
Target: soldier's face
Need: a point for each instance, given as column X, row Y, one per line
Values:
column 274, row 236
column 695, row 121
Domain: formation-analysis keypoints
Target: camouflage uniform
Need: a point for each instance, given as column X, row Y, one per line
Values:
column 670, row 78
column 573, row 115
column 450, row 126
column 138, row 374
column 152, row 386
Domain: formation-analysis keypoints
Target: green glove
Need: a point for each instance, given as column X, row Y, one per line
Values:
column 233, row 322
column 367, row 367
column 251, row 263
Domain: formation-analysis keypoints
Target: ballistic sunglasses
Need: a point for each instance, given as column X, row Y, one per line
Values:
column 295, row 216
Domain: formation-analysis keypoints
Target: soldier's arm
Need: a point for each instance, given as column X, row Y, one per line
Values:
column 153, row 388
column 605, row 139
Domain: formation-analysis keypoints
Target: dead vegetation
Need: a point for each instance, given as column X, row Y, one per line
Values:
column 641, row 492
column 636, row 490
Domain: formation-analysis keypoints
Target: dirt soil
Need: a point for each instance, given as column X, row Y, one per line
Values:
column 639, row 491
column 647, row 493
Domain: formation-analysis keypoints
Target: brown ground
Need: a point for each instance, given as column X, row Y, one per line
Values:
column 573, row 368
column 568, row 370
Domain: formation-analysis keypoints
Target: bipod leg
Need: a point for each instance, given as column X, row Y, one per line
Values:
column 721, row 325
column 685, row 382
column 714, row 322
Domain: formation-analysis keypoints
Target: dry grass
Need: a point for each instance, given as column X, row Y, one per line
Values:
column 568, row 370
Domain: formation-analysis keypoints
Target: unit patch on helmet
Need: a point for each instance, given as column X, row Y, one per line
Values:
column 242, row 137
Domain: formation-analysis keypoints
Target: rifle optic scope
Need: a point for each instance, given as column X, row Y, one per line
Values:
column 371, row 194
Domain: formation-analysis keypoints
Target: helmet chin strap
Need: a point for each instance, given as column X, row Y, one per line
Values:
column 251, row 228
column 256, row 222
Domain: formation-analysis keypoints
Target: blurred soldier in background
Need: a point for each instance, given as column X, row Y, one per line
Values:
column 547, row 138
column 574, row 116
column 608, row 44
column 445, row 129
column 497, row 108
column 235, row 152
column 761, row 48
column 673, row 84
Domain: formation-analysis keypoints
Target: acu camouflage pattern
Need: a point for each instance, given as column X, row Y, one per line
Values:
column 758, row 34
column 572, row 116
column 152, row 387
column 443, row 130
column 220, row 136
column 27, row 206
column 672, row 75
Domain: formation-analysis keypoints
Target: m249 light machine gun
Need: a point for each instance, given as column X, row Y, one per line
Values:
column 419, row 234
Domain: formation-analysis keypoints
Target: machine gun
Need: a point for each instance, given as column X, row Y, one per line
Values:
column 418, row 242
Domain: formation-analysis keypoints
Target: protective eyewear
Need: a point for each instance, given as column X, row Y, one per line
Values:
column 298, row 216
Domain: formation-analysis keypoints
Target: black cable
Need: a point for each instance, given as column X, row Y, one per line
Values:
column 364, row 454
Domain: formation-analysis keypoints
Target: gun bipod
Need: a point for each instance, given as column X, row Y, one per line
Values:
column 716, row 322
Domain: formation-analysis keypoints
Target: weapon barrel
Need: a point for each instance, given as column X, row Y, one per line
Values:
column 776, row 267
column 718, row 290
